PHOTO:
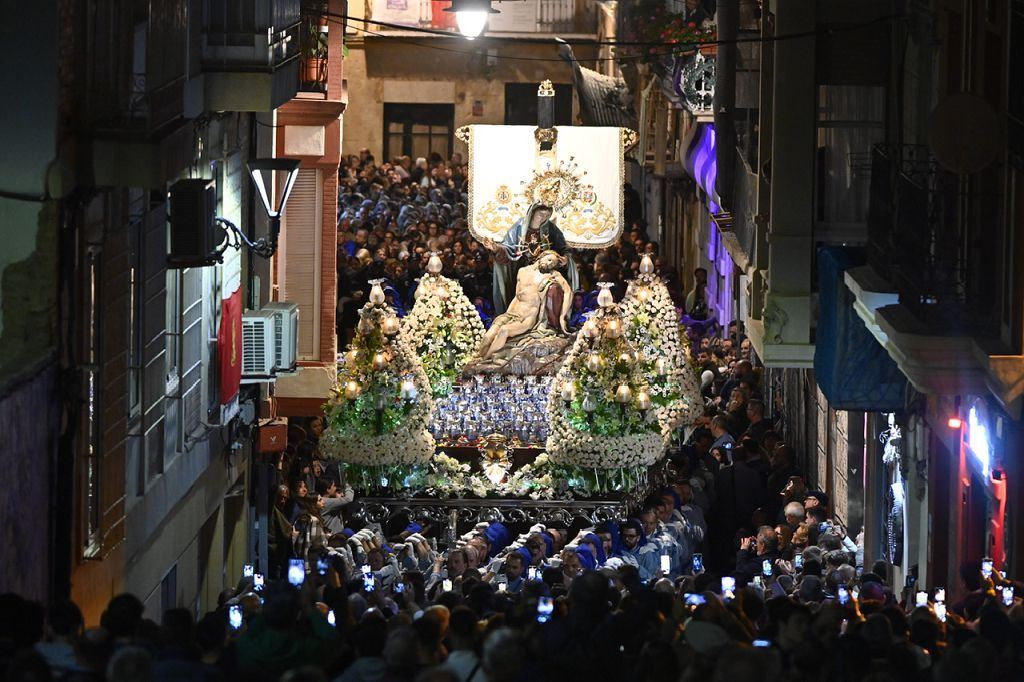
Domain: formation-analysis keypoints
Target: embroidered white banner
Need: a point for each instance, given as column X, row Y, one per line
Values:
column 581, row 178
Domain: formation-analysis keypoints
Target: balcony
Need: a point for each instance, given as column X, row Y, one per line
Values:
column 924, row 293
column 524, row 17
column 135, row 104
column 250, row 55
column 918, row 235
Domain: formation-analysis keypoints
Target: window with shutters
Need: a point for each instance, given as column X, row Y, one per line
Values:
column 300, row 269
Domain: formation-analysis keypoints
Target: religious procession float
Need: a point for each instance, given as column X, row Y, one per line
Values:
column 433, row 416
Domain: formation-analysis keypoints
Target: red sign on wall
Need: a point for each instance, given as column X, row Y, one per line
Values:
column 229, row 346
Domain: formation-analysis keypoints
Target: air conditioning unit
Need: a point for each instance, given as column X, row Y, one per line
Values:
column 286, row 335
column 258, row 355
column 269, row 342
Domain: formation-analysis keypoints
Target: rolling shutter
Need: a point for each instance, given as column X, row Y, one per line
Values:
column 300, row 279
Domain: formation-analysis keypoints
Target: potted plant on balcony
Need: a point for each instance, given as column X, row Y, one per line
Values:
column 314, row 55
column 659, row 35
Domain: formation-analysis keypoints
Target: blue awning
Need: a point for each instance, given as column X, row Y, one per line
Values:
column 852, row 369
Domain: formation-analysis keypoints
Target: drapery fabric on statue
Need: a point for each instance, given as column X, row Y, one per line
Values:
column 520, row 247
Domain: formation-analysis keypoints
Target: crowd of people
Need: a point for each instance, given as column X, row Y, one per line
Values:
column 733, row 569
column 548, row 604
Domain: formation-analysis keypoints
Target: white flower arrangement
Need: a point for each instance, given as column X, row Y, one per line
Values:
column 652, row 326
column 444, row 329
column 380, row 409
column 597, row 435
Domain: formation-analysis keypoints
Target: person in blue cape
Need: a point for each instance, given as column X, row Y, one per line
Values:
column 635, row 546
column 529, row 237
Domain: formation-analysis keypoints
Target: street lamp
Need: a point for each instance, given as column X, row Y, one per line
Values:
column 264, row 172
column 471, row 16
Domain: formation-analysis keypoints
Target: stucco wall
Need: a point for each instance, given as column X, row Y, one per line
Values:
column 448, row 72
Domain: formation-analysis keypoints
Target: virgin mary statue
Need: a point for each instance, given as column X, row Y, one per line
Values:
column 529, row 237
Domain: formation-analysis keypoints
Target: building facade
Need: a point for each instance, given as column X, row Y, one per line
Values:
column 119, row 384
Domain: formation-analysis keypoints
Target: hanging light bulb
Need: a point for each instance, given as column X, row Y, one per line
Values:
column 646, row 265
column 352, row 390
column 471, row 16
column 379, row 361
column 390, row 325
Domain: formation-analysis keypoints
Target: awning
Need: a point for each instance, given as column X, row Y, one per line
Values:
column 701, row 164
column 853, row 370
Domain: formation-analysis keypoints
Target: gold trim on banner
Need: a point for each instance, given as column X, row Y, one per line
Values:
column 579, row 213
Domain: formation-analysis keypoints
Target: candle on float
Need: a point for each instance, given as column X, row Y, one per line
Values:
column 568, row 391
column 390, row 325
column 594, row 362
column 623, row 395
column 613, row 328
column 352, row 390
column 590, row 329
column 643, row 400
column 376, row 295
column 407, row 390
column 379, row 361
column 646, row 265
column 352, row 356
column 434, row 264
column 661, row 367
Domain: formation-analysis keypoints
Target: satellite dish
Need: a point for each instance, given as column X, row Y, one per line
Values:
column 963, row 133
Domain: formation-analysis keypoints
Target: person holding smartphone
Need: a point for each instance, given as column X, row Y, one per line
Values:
column 754, row 552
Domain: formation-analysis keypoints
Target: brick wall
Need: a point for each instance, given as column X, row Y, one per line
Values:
column 28, row 433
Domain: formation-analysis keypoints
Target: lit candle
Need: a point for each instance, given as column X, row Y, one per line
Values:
column 594, row 362
column 352, row 356
column 613, row 328
column 352, row 390
column 661, row 367
column 642, row 295
column 390, row 325
column 376, row 295
column 568, row 391
column 646, row 265
column 379, row 361
column 590, row 329
column 605, row 298
column 623, row 395
column 625, row 358
column 643, row 400
column 408, row 390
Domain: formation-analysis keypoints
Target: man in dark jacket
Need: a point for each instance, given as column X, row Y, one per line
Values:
column 754, row 551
